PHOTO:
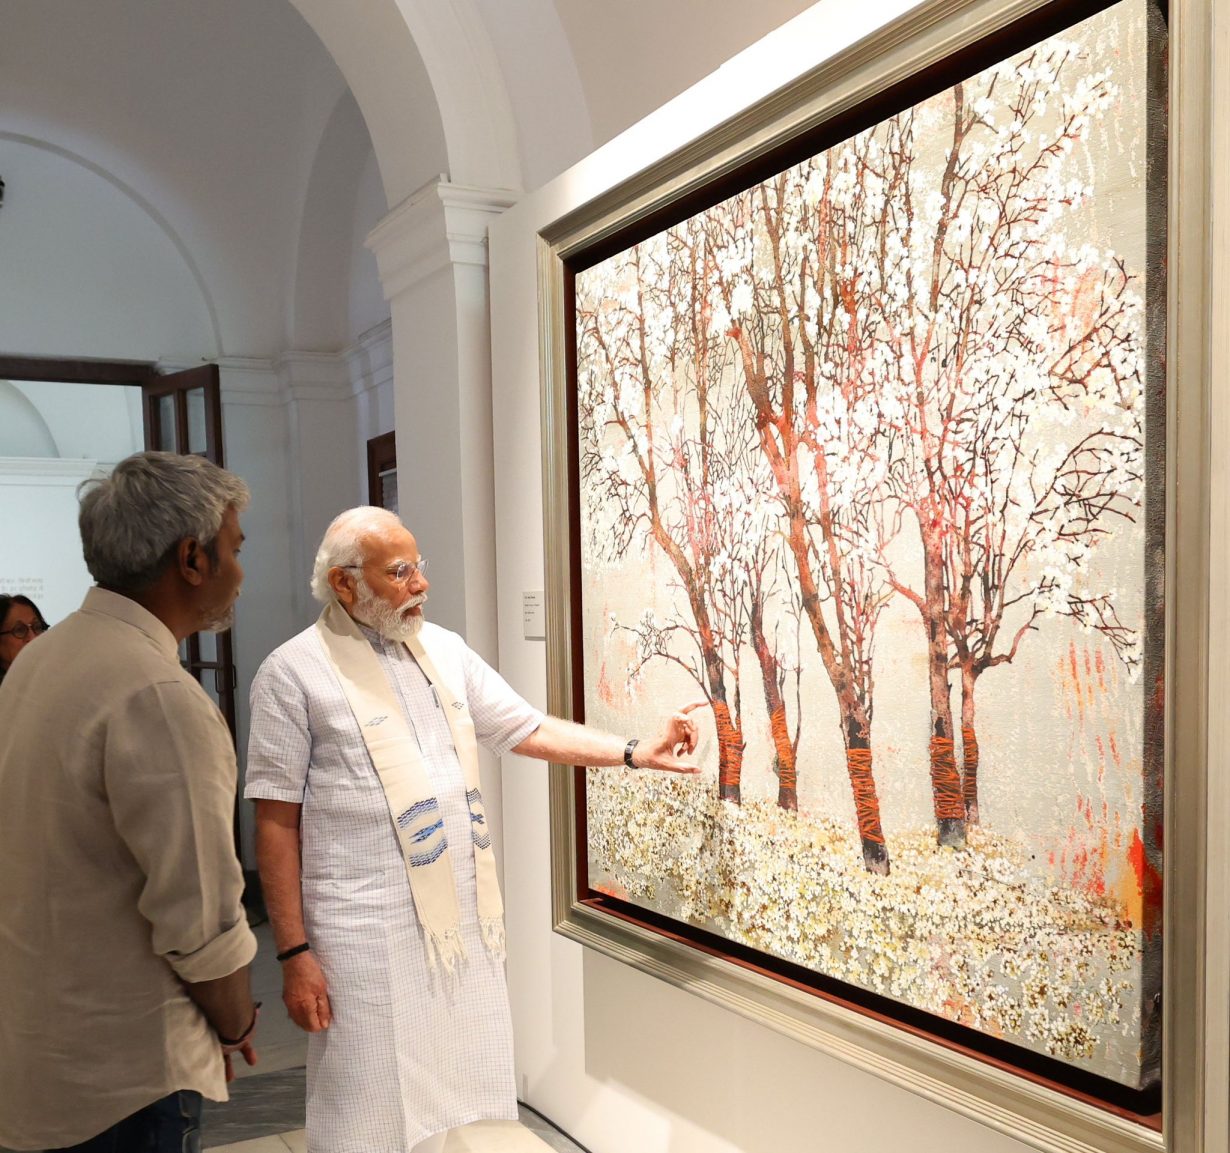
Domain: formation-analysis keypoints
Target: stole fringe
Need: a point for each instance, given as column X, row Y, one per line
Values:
column 493, row 936
column 447, row 950
column 444, row 950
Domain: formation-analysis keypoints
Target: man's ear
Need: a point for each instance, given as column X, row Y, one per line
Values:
column 191, row 561
column 342, row 585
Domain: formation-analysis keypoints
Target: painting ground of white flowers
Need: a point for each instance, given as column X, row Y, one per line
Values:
column 869, row 460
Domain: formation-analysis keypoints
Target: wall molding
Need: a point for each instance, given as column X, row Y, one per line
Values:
column 440, row 225
column 276, row 382
column 49, row 470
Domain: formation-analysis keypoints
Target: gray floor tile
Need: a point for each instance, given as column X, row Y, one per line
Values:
column 260, row 1106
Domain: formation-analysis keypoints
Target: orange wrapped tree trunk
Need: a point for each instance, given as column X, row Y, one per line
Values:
column 730, row 752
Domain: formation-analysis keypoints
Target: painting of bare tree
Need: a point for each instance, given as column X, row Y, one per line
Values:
column 869, row 459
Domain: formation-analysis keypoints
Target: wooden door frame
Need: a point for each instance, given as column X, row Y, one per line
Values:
column 135, row 373
column 381, row 453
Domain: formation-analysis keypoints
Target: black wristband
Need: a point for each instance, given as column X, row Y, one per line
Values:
column 286, row 956
column 628, row 750
column 246, row 1033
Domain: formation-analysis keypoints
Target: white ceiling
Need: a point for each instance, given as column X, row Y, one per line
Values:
column 635, row 55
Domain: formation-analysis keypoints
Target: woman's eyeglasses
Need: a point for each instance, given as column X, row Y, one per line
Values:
column 23, row 630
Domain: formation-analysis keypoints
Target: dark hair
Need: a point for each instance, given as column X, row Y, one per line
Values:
column 7, row 601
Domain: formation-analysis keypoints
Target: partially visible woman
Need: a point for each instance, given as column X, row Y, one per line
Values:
column 20, row 623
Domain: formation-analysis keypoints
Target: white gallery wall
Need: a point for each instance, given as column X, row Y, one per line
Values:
column 619, row 1059
column 89, row 268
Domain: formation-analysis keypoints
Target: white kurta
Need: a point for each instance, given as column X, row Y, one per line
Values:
column 410, row 1052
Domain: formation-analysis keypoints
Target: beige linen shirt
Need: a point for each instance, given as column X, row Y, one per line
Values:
column 118, row 877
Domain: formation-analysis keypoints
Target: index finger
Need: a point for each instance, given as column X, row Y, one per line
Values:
column 692, row 705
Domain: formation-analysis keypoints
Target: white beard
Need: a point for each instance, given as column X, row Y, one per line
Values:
column 220, row 624
column 394, row 624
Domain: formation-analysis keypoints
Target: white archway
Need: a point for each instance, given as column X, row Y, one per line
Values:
column 23, row 431
column 95, row 201
column 371, row 42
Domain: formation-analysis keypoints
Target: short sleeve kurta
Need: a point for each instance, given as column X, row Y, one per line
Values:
column 410, row 1052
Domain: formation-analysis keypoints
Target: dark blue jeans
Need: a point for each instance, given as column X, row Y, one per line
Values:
column 172, row 1125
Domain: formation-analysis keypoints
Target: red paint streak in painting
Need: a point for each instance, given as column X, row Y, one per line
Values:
column 1149, row 882
column 611, row 889
column 605, row 691
column 1076, row 681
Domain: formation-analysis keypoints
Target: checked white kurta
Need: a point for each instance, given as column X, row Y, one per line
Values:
column 410, row 1052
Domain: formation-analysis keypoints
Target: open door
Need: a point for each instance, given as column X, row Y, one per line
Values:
column 183, row 413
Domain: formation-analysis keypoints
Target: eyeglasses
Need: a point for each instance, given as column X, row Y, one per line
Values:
column 23, row 630
column 400, row 573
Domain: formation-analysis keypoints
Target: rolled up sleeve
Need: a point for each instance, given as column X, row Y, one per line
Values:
column 231, row 950
column 170, row 775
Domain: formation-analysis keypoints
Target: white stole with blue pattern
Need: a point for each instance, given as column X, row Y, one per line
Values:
column 416, row 814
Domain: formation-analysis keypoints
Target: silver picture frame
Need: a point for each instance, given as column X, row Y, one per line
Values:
column 1196, row 1030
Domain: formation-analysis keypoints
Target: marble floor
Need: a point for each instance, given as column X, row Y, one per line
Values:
column 530, row 1134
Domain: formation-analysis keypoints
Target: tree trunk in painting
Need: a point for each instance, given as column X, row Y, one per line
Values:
column 730, row 752
column 945, row 780
column 783, row 761
column 855, row 723
column 784, row 395
column 782, row 453
column 969, row 746
column 866, row 802
column 729, row 729
column 779, row 728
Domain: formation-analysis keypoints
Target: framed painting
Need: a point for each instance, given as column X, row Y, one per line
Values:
column 863, row 430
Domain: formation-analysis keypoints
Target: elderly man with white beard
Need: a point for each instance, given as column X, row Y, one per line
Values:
column 374, row 849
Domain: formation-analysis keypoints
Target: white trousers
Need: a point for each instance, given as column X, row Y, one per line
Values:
column 433, row 1144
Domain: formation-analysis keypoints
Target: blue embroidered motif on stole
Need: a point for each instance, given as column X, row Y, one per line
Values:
column 429, row 834
column 478, row 819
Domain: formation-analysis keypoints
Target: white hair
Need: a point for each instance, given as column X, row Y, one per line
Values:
column 340, row 545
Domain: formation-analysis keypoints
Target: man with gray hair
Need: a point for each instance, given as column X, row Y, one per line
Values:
column 124, row 949
column 374, row 848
